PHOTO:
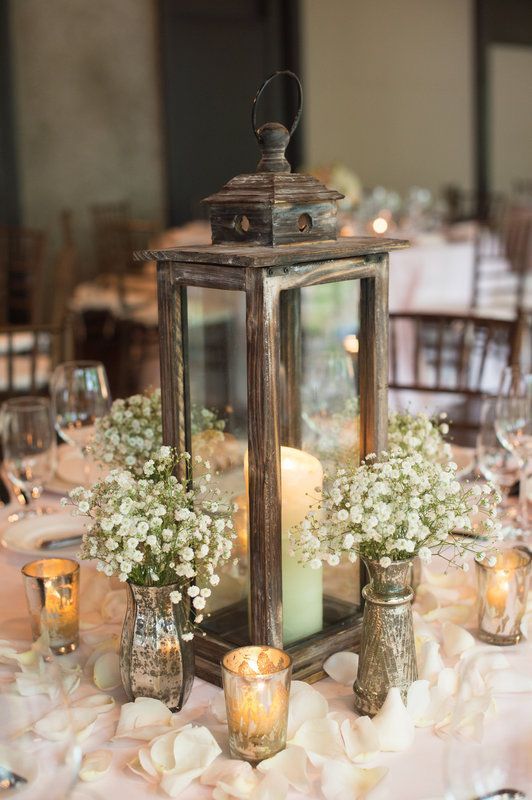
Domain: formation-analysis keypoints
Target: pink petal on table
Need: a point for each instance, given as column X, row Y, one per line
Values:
column 292, row 763
column 305, row 704
column 101, row 703
column 273, row 786
column 95, row 765
column 144, row 719
column 107, row 671
column 431, row 662
column 232, row 778
column 344, row 781
column 342, row 667
column 393, row 723
column 218, row 708
column 321, row 739
column 361, row 739
column 114, row 606
column 418, row 702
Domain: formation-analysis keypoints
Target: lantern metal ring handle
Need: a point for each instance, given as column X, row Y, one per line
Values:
column 262, row 88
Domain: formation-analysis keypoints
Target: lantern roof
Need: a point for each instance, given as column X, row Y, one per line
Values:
column 272, row 206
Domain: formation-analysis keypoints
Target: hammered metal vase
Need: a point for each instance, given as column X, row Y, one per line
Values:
column 155, row 661
column 387, row 651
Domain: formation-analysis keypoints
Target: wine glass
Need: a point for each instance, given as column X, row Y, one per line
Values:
column 80, row 394
column 32, row 766
column 497, row 464
column 28, row 445
column 487, row 752
column 513, row 424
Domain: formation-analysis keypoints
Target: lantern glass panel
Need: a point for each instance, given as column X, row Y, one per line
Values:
column 319, row 434
column 218, row 407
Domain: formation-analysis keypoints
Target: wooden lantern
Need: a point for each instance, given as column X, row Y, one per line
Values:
column 273, row 236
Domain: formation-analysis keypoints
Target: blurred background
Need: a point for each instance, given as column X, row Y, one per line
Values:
column 119, row 116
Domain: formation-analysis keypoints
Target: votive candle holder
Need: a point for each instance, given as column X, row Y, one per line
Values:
column 502, row 596
column 52, row 593
column 256, row 681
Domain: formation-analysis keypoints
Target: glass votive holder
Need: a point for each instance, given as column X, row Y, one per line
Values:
column 256, row 683
column 502, row 596
column 52, row 592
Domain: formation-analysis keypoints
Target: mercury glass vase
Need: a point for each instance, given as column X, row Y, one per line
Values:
column 155, row 661
column 387, row 650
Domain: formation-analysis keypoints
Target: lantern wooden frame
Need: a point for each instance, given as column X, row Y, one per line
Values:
column 271, row 278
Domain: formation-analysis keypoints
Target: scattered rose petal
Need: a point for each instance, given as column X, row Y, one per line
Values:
column 342, row 667
column 322, row 740
column 451, row 579
column 456, row 640
column 273, row 786
column 305, row 704
column 447, row 681
column 231, row 778
column 102, row 703
column 194, row 749
column 95, row 765
column 138, row 720
column 292, row 763
column 393, row 723
column 361, row 739
column 108, row 645
column 57, row 725
column 431, row 662
column 90, row 620
column 341, row 780
column 107, row 671
column 218, row 708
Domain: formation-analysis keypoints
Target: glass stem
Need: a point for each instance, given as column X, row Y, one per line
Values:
column 523, row 497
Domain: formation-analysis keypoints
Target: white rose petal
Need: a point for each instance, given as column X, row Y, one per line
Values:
column 342, row 667
column 95, row 765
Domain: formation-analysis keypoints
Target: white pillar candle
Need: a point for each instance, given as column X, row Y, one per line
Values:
column 301, row 483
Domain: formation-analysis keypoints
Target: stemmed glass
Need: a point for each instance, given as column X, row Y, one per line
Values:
column 513, row 424
column 496, row 463
column 80, row 394
column 28, row 445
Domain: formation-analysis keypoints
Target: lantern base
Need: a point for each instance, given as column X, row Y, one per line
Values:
column 229, row 629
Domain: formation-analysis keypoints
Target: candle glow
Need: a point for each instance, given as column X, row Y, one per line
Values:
column 257, row 687
column 52, row 592
column 502, row 595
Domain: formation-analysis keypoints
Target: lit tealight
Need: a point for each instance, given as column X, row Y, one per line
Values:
column 351, row 344
column 380, row 225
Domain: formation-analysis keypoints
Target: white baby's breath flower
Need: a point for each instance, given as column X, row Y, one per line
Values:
column 385, row 562
column 176, row 597
column 187, row 637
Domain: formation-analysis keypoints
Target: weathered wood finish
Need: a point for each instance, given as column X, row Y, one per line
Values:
column 245, row 255
column 264, row 469
column 172, row 302
column 373, row 359
column 291, row 365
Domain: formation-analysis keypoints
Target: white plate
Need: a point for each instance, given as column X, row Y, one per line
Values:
column 26, row 535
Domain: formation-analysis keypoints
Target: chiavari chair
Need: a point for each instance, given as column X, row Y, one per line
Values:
column 22, row 252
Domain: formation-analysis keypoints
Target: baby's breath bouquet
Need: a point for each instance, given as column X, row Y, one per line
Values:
column 155, row 530
column 419, row 433
column 393, row 509
column 132, row 431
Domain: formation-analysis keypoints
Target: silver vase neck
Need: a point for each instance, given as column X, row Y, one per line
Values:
column 392, row 580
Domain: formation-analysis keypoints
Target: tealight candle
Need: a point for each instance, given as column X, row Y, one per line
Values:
column 52, row 592
column 256, row 683
column 502, row 595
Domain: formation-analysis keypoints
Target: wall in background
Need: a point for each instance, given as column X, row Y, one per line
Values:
column 511, row 115
column 388, row 89
column 88, row 117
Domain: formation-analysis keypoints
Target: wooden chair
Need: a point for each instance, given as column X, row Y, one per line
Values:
column 22, row 252
column 64, row 272
column 448, row 362
column 503, row 261
column 28, row 356
column 116, row 235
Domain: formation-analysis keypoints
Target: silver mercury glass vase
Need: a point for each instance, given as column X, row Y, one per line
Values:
column 387, row 650
column 155, row 661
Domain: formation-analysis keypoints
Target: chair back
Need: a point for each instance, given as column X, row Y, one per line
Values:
column 28, row 356
column 22, row 252
column 449, row 361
